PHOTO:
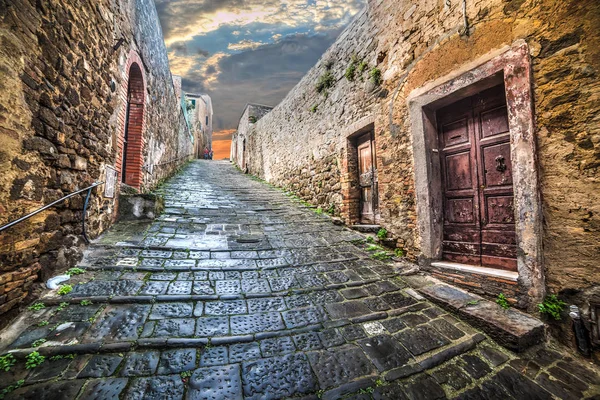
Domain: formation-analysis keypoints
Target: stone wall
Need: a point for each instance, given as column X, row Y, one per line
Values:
column 243, row 134
column 303, row 143
column 64, row 69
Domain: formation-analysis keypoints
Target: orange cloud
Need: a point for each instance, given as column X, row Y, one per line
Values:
column 221, row 149
column 223, row 134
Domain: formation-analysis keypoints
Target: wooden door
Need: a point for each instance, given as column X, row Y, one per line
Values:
column 474, row 143
column 367, row 176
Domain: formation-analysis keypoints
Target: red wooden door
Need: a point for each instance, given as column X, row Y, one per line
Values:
column 474, row 143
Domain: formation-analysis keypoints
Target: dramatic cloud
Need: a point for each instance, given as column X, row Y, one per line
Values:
column 248, row 51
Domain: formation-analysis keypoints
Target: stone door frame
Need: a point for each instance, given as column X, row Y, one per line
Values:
column 510, row 65
column 349, row 182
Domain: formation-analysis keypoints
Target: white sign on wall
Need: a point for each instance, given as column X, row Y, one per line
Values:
column 110, row 183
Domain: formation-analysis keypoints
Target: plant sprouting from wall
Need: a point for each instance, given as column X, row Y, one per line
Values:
column 382, row 233
column 351, row 70
column 552, row 307
column 313, row 109
column 362, row 67
column 325, row 82
column 252, row 119
column 502, row 301
column 375, row 76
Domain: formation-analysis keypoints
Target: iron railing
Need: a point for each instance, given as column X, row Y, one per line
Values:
column 47, row 206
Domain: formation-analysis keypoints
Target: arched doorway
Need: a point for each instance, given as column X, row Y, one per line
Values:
column 133, row 143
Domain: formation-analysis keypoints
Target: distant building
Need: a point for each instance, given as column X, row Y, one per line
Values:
column 201, row 114
column 239, row 141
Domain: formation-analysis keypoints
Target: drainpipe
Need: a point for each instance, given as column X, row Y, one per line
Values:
column 465, row 30
column 582, row 337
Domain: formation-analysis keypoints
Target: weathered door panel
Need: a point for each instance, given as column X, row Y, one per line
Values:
column 461, row 241
column 474, row 143
column 367, row 177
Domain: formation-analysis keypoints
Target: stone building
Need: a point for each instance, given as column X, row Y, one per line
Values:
column 86, row 93
column 240, row 138
column 201, row 119
column 469, row 130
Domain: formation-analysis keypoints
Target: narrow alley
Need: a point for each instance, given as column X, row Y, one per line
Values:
column 239, row 291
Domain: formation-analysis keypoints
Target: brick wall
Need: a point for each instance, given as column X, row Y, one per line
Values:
column 62, row 113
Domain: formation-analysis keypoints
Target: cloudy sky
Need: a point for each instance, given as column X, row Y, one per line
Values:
column 247, row 51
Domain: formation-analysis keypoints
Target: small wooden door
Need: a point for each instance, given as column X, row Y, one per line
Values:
column 367, row 176
column 474, row 143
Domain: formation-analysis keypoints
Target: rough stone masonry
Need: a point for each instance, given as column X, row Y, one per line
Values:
column 67, row 72
column 388, row 73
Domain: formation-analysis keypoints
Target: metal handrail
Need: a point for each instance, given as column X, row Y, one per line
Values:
column 31, row 214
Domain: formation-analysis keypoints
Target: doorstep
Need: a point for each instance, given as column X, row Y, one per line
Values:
column 476, row 269
column 366, row 228
column 510, row 328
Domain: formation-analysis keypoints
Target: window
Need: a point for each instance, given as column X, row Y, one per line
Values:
column 206, row 120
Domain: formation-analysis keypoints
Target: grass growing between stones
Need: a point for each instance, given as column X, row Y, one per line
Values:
column 36, row 306
column 75, row 271
column 11, row 388
column 34, row 360
column 64, row 290
column 7, row 362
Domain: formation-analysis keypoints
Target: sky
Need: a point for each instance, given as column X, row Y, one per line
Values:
column 247, row 51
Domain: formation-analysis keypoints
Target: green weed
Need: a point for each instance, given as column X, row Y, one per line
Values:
column 375, row 76
column 62, row 306
column 381, row 255
column 38, row 343
column 6, row 362
column 382, row 233
column 552, row 306
column 86, row 303
column 325, row 82
column 43, row 323
column 314, row 108
column 370, row 239
column 11, row 388
column 399, row 252
column 36, row 306
column 64, row 289
column 502, row 301
column 33, row 360
column 75, row 271
column 362, row 67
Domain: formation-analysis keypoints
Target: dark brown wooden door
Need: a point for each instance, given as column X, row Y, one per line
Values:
column 474, row 143
column 367, row 175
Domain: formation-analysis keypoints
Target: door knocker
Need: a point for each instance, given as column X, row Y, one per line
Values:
column 500, row 166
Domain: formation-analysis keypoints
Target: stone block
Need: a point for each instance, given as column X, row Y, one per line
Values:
column 140, row 206
column 511, row 328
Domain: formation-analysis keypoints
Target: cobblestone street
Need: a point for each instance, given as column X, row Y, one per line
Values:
column 238, row 291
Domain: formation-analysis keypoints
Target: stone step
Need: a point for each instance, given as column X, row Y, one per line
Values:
column 366, row 228
column 511, row 328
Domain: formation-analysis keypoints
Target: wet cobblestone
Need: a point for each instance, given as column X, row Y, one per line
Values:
column 240, row 292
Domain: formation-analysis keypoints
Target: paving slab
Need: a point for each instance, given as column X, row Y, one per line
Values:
column 237, row 291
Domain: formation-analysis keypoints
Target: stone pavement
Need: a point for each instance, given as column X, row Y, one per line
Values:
column 240, row 292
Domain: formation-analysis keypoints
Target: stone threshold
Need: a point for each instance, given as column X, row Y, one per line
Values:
column 478, row 270
column 510, row 328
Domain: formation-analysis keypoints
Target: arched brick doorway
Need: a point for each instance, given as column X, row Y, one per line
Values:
column 133, row 142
